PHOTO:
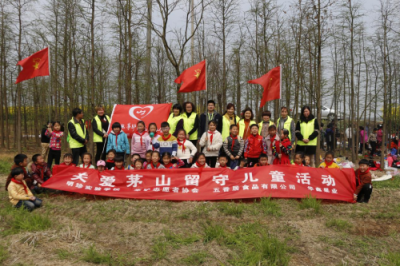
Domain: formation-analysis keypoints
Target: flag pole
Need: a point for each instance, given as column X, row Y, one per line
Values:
column 51, row 87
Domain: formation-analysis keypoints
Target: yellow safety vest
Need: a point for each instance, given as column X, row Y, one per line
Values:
column 96, row 137
column 286, row 125
column 242, row 126
column 73, row 143
column 173, row 121
column 260, row 125
column 306, row 129
column 188, row 124
column 226, row 125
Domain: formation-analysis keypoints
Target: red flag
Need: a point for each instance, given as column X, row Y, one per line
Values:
column 36, row 65
column 193, row 78
column 271, row 83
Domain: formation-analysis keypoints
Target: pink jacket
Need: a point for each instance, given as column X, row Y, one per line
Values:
column 363, row 135
column 140, row 144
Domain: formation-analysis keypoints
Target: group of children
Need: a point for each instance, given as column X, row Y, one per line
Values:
column 153, row 150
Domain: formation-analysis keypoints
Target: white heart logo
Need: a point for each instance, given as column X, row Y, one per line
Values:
column 139, row 113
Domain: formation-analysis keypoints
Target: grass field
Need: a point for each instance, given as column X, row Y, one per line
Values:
column 76, row 229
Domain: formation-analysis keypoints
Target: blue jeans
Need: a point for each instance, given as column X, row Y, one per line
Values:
column 30, row 205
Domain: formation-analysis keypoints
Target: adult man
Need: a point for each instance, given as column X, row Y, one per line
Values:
column 207, row 116
column 77, row 135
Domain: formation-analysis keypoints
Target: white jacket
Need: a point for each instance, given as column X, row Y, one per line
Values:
column 215, row 146
column 190, row 151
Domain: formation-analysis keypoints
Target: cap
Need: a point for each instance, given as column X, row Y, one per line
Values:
column 101, row 163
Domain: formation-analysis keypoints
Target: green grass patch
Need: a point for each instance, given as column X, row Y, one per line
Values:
column 5, row 167
column 18, row 220
column 64, row 254
column 213, row 231
column 269, row 207
column 338, row 224
column 159, row 249
column 311, row 203
column 3, row 254
column 197, row 258
column 391, row 183
column 178, row 240
column 93, row 256
column 231, row 208
column 391, row 259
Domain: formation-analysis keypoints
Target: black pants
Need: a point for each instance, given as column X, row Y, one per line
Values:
column 365, row 193
column 53, row 154
column 330, row 146
column 76, row 153
column 211, row 161
column 373, row 147
column 251, row 162
column 99, row 150
column 361, row 147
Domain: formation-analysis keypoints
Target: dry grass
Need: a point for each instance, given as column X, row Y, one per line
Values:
column 76, row 229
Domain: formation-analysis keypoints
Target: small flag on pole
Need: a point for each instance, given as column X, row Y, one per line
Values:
column 36, row 65
column 271, row 83
column 193, row 78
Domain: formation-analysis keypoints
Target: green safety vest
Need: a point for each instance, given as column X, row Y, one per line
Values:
column 286, row 125
column 306, row 129
column 226, row 127
column 73, row 143
column 96, row 137
column 173, row 121
column 242, row 126
column 188, row 124
column 260, row 125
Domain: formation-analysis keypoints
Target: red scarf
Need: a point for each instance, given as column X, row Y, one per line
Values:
column 170, row 165
column 200, row 165
column 152, row 165
column 182, row 144
column 87, row 166
column 359, row 173
column 41, row 170
column 110, row 161
column 166, row 138
column 116, row 139
column 116, row 168
column 233, row 141
column 212, row 136
column 299, row 164
column 222, row 166
column 57, row 131
column 328, row 164
column 272, row 138
column 20, row 183
column 141, row 136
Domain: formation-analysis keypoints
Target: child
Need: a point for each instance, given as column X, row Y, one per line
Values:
column 270, row 141
column 140, row 140
column 148, row 159
column 133, row 159
column 139, row 164
column 40, row 171
column 119, row 163
column 364, row 184
column 307, row 161
column 186, row 149
column 153, row 133
column 118, row 141
column 262, row 161
column 155, row 161
column 21, row 161
column 254, row 147
column 55, row 136
column 299, row 158
column 87, row 161
column 212, row 142
column 101, row 165
column 68, row 157
column 166, row 142
column 373, row 141
column 233, row 146
column 243, row 164
column 282, row 148
column 201, row 161
column 19, row 193
column 222, row 162
column 110, row 159
column 329, row 163
column 171, row 163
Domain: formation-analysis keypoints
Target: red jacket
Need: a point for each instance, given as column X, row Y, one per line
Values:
column 40, row 174
column 362, row 179
column 255, row 146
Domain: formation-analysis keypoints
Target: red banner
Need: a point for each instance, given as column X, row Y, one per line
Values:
column 210, row 184
column 129, row 115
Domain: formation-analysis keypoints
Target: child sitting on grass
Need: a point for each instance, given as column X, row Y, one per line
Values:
column 148, row 159
column 262, row 161
column 87, row 161
column 329, row 163
column 134, row 157
column 155, row 161
column 119, row 163
column 19, row 193
column 222, row 162
column 171, row 162
column 101, row 166
column 110, row 159
column 201, row 161
column 68, row 157
column 40, row 172
column 139, row 164
column 307, row 161
column 363, row 180
column 299, row 158
column 21, row 161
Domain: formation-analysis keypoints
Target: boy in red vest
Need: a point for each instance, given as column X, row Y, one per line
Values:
column 254, row 147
